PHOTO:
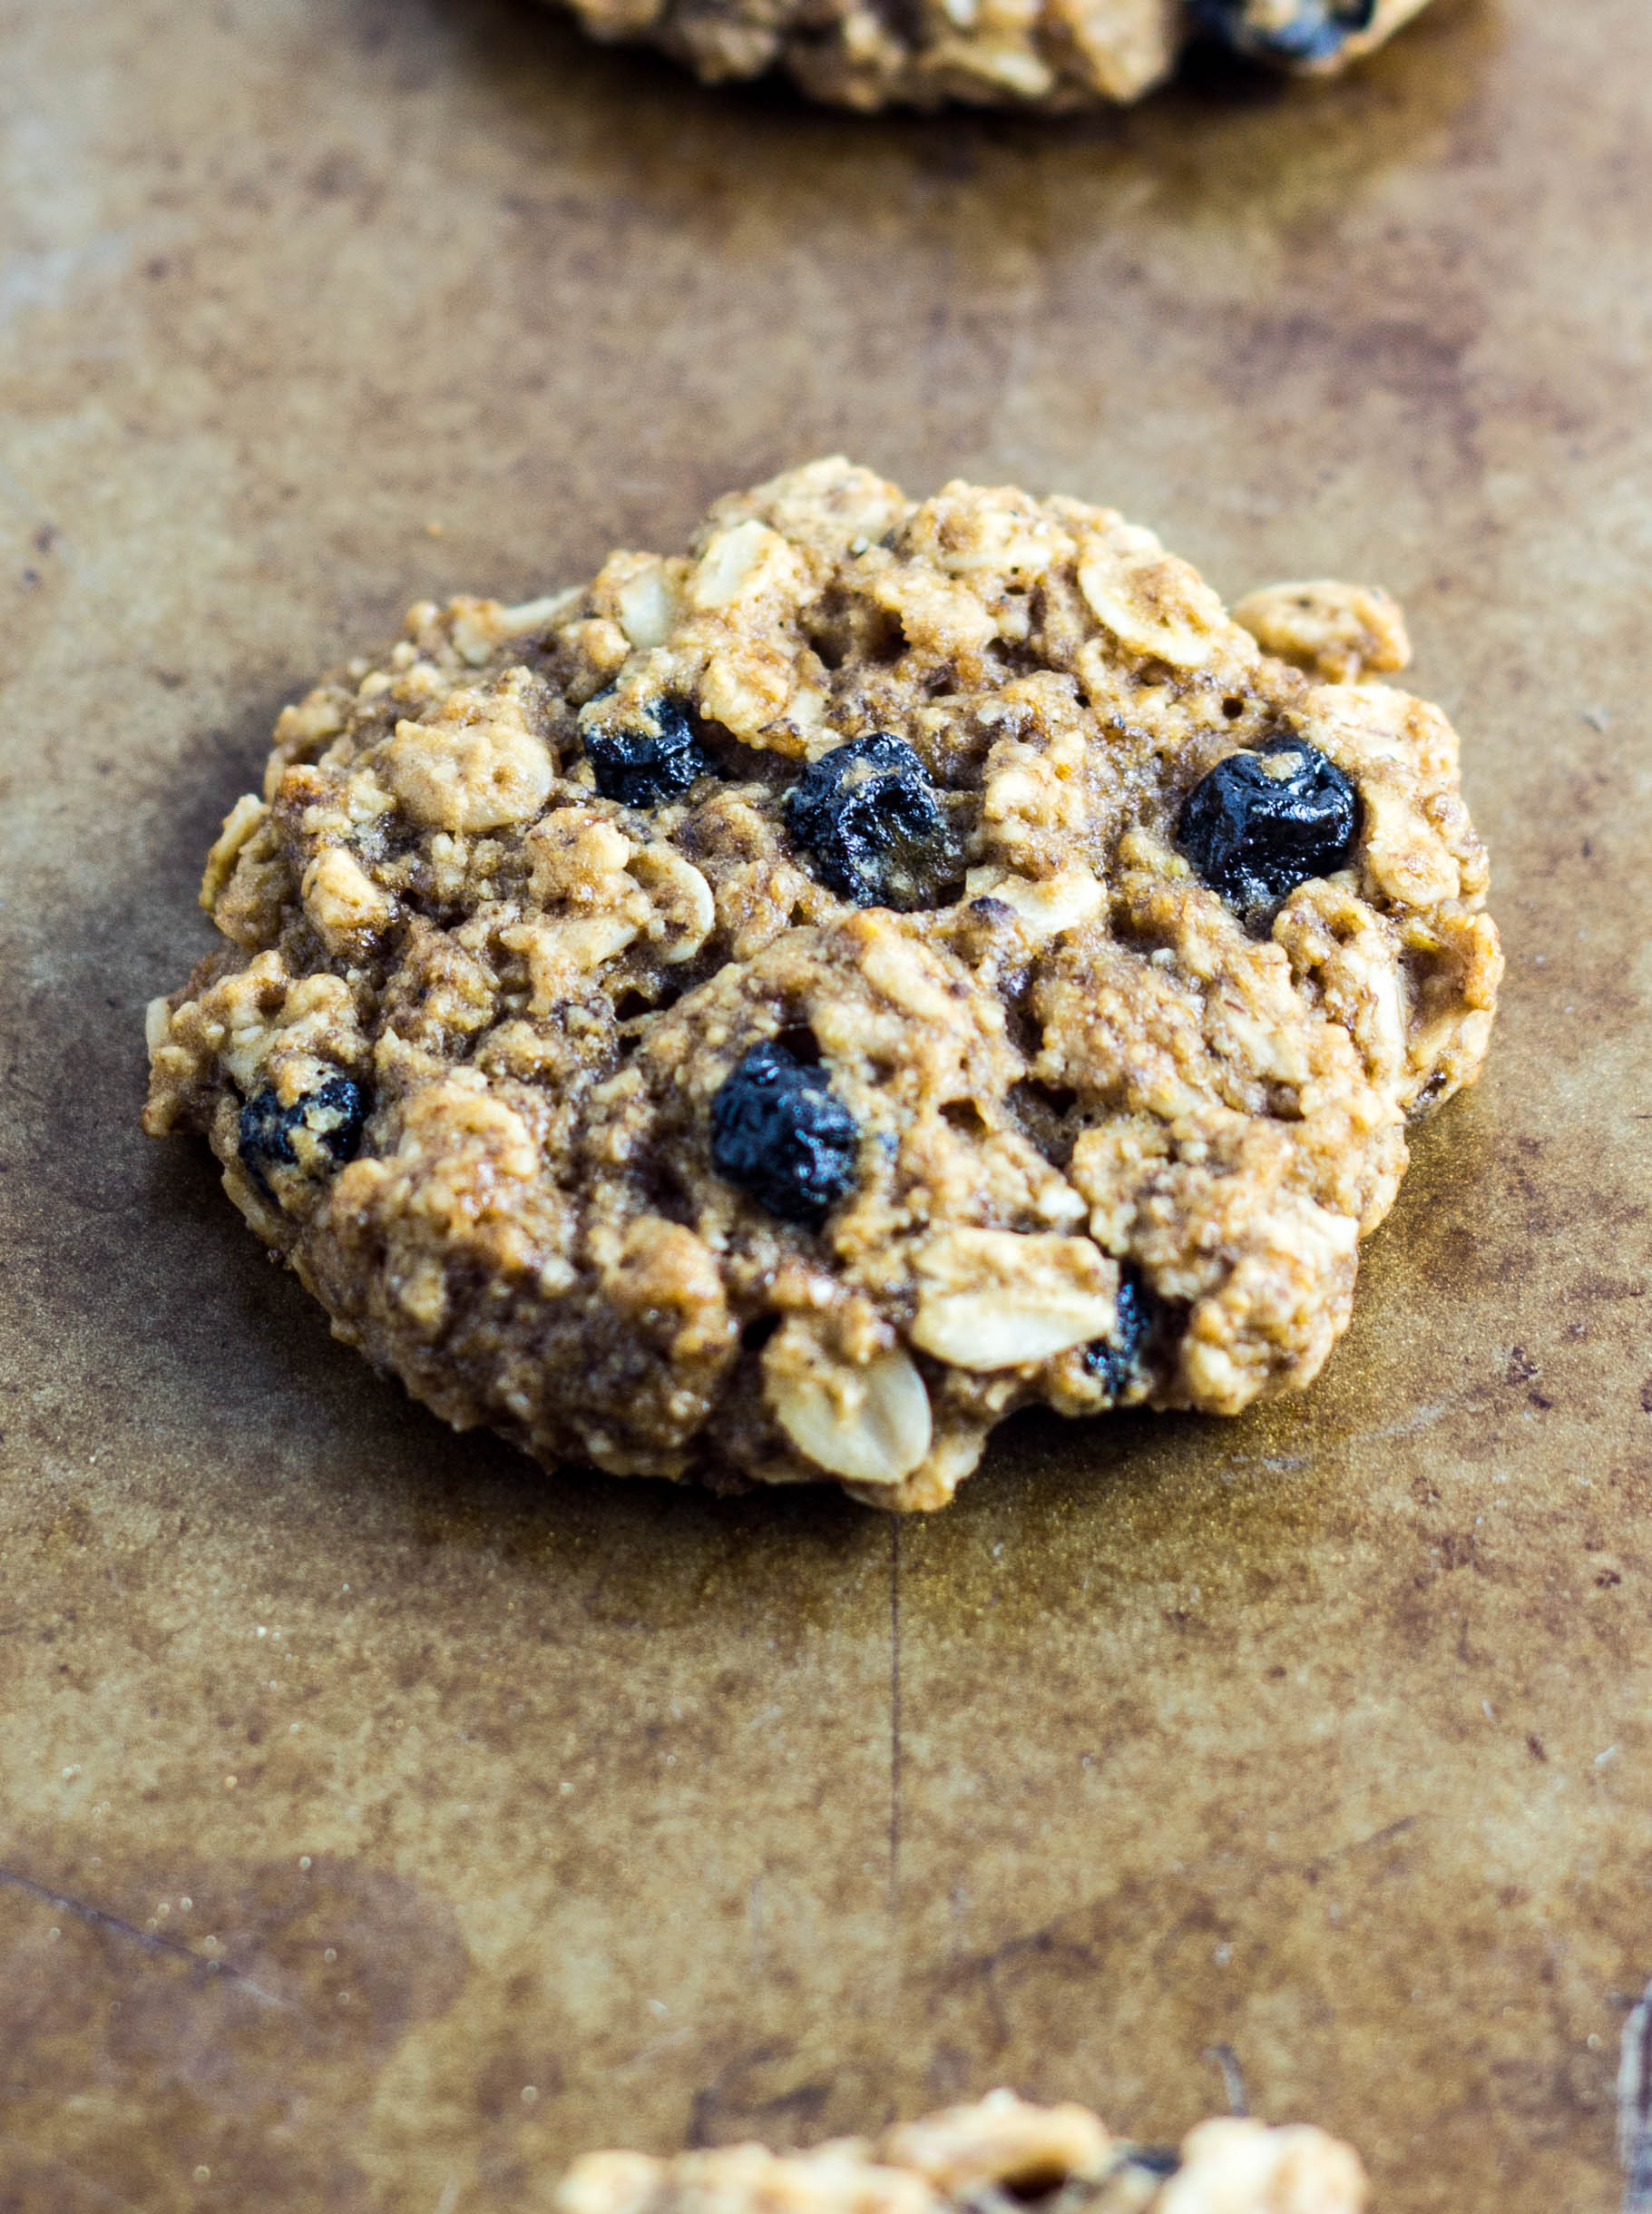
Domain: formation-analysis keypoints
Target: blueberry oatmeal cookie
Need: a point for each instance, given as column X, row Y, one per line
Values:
column 765, row 1015
column 1047, row 55
column 990, row 2157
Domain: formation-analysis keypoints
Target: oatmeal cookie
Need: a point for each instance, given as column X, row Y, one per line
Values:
column 990, row 2157
column 768, row 1013
column 1049, row 55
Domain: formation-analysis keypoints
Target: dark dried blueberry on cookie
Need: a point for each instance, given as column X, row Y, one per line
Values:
column 1114, row 1360
column 644, row 758
column 778, row 1131
column 1294, row 33
column 314, row 1134
column 1262, row 823
column 869, row 819
column 978, row 1008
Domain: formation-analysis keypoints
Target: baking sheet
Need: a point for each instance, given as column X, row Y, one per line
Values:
column 382, row 1823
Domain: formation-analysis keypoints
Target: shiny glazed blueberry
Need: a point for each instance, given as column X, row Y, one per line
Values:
column 1262, row 823
column 1312, row 31
column 649, row 758
column 319, row 1132
column 780, row 1133
column 1112, row 1360
column 868, row 817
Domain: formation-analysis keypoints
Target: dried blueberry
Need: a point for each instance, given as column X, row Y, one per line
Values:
column 646, row 757
column 321, row 1129
column 1313, row 30
column 1262, row 823
column 778, row 1131
column 1112, row 1360
column 868, row 817
column 1161, row 2160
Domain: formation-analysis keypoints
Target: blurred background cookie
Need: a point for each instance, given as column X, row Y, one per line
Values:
column 1013, row 54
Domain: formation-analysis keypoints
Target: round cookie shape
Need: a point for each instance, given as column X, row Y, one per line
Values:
column 1053, row 56
column 767, row 1014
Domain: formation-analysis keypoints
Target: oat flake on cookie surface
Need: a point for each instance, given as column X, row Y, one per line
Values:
column 994, row 2157
column 765, row 1015
column 1050, row 54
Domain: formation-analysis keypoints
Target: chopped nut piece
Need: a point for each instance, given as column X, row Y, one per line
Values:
column 1001, row 2139
column 1241, row 2166
column 1152, row 603
column 1059, row 903
column 246, row 817
column 460, row 775
column 869, row 1423
column 1337, row 632
column 993, row 1299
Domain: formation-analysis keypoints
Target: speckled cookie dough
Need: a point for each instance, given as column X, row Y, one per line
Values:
column 992, row 2157
column 767, row 1013
column 1047, row 55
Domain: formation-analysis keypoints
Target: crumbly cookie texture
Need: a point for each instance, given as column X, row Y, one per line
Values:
column 989, row 2159
column 765, row 1015
column 1049, row 55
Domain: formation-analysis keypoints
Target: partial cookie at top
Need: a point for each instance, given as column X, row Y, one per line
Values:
column 1050, row 54
column 767, row 1013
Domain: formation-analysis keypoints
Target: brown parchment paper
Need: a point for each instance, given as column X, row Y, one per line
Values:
column 382, row 1823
